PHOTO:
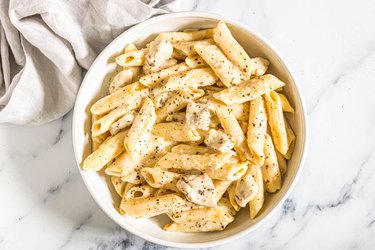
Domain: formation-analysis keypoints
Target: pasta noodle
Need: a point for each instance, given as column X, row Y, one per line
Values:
column 187, row 48
column 121, row 97
column 285, row 104
column 232, row 128
column 107, row 151
column 176, row 131
column 270, row 169
column 195, row 62
column 232, row 49
column 152, row 206
column 153, row 79
column 256, row 204
column 276, row 121
column 256, row 132
column 227, row 72
column 140, row 131
column 249, row 89
column 177, row 37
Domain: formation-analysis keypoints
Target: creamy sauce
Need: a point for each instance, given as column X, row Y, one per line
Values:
column 246, row 190
column 159, row 52
column 198, row 189
column 198, row 116
column 219, row 140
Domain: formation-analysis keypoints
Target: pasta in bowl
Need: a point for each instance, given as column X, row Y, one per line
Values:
column 191, row 126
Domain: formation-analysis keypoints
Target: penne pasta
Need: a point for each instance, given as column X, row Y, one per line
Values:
column 246, row 189
column 202, row 214
column 226, row 205
column 114, row 169
column 125, row 95
column 229, row 171
column 195, row 227
column 126, row 168
column 193, row 162
column 291, row 139
column 256, row 132
column 232, row 49
column 270, row 169
column 192, row 149
column 176, row 117
column 118, row 185
column 159, row 178
column 132, row 58
column 97, row 140
column 107, row 151
column 152, row 69
column 195, row 62
column 197, row 142
column 221, row 187
column 175, row 131
column 276, row 121
column 285, row 104
column 164, row 191
column 158, row 56
column 177, row 101
column 232, row 128
column 153, row 206
column 103, row 125
column 177, row 37
column 140, row 131
column 244, row 117
column 260, row 66
column 153, row 79
column 122, row 79
column 187, row 48
column 256, row 204
column 289, row 154
column 228, row 73
column 129, row 169
column 232, row 198
column 130, row 47
column 176, row 54
column 249, row 90
column 127, row 75
column 236, row 109
column 122, row 123
column 193, row 78
column 282, row 162
column 161, row 98
column 139, row 192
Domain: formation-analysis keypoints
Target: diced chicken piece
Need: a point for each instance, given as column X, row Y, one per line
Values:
column 198, row 189
column 198, row 116
column 219, row 140
column 159, row 52
column 246, row 190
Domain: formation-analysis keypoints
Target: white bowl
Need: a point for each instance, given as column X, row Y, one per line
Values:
column 93, row 87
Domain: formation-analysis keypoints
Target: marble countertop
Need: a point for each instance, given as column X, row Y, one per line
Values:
column 331, row 46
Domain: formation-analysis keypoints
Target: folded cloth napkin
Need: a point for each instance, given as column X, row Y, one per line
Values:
column 45, row 44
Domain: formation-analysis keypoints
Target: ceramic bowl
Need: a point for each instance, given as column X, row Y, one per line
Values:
column 94, row 85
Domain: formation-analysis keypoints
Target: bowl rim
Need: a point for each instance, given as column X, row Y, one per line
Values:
column 304, row 132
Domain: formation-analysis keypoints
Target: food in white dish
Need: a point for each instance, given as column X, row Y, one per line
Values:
column 192, row 128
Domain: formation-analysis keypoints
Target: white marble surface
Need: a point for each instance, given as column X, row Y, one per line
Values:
column 331, row 45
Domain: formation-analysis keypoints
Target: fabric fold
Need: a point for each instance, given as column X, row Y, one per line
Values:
column 45, row 45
